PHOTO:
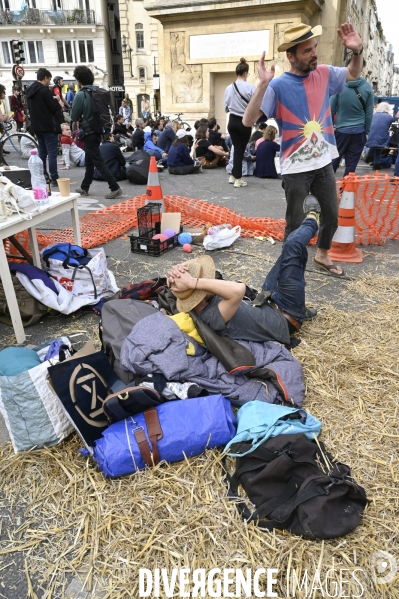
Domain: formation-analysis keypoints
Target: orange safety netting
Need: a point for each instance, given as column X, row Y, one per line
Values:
column 376, row 216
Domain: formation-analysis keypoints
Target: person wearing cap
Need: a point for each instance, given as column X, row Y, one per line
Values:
column 179, row 160
column 280, row 308
column 299, row 101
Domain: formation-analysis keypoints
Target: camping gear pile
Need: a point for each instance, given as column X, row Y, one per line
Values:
column 163, row 388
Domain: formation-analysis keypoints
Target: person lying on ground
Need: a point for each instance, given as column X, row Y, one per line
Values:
column 280, row 309
column 113, row 158
column 179, row 160
column 70, row 151
column 153, row 149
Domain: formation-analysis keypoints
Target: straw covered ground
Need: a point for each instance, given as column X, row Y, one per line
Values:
column 68, row 520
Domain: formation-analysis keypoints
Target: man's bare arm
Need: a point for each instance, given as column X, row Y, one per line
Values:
column 179, row 279
column 352, row 41
column 253, row 112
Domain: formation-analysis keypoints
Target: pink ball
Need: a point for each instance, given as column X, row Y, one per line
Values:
column 169, row 232
column 161, row 237
column 187, row 248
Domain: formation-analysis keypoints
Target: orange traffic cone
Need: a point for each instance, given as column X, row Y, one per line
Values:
column 343, row 247
column 154, row 190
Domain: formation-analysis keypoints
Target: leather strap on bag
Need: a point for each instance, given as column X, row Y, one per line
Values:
column 154, row 433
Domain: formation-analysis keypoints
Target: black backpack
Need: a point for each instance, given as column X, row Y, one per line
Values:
column 295, row 485
column 103, row 120
column 137, row 170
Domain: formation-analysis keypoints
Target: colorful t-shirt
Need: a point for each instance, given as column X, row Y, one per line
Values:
column 301, row 107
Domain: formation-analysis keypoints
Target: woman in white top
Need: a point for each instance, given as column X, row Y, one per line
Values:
column 236, row 98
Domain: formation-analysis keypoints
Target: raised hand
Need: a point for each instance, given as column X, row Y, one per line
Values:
column 350, row 38
column 265, row 76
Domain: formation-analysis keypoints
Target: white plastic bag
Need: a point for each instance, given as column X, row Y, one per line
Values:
column 92, row 281
column 222, row 239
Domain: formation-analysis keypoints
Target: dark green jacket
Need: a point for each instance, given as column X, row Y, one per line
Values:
column 82, row 106
column 348, row 108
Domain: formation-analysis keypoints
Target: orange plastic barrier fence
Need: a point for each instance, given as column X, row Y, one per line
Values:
column 376, row 216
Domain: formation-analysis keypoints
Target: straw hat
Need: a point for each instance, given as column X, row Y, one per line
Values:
column 299, row 33
column 200, row 268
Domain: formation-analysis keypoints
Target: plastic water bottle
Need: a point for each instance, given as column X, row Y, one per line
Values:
column 39, row 185
column 217, row 228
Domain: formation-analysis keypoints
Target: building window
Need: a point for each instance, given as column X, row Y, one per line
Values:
column 56, row 4
column 84, row 4
column 35, row 52
column 74, row 52
column 6, row 52
column 139, row 36
column 141, row 73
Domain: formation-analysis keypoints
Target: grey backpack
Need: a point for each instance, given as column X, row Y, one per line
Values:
column 118, row 317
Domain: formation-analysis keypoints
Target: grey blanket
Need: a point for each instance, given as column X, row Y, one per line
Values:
column 156, row 344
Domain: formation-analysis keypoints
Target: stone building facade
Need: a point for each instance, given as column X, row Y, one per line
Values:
column 59, row 34
column 195, row 45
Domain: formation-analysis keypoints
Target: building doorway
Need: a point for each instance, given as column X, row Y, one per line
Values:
column 221, row 81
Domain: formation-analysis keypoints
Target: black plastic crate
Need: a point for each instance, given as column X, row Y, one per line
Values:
column 145, row 245
column 148, row 217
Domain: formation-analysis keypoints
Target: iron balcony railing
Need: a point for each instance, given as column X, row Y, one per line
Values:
column 34, row 16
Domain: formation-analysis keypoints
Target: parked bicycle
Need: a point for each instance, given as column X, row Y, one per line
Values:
column 12, row 146
column 182, row 123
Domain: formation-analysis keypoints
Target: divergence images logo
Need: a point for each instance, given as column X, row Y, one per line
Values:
column 384, row 567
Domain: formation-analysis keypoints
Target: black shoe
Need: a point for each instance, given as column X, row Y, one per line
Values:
column 54, row 183
column 377, row 167
column 310, row 313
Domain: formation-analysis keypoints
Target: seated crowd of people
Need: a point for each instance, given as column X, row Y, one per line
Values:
column 181, row 151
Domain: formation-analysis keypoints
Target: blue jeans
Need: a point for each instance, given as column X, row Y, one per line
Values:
column 286, row 279
column 48, row 147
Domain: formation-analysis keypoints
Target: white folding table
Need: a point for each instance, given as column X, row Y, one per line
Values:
column 15, row 224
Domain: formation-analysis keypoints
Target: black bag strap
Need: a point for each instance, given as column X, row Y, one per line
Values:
column 91, row 276
column 240, row 94
column 359, row 95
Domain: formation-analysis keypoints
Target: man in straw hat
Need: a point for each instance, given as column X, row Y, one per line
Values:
column 279, row 310
column 299, row 101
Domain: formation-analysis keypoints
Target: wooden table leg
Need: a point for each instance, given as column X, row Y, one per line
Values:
column 11, row 297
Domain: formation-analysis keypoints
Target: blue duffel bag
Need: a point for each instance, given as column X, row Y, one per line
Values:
column 167, row 432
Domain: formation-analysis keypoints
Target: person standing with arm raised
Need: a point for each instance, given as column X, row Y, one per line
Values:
column 299, row 101
column 236, row 98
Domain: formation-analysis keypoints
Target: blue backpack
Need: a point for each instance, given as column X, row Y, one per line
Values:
column 69, row 255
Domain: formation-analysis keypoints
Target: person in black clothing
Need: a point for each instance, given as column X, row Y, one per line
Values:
column 46, row 116
column 208, row 155
column 258, row 134
column 138, row 135
column 120, row 128
column 113, row 158
column 82, row 107
column 215, row 137
column 265, row 155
